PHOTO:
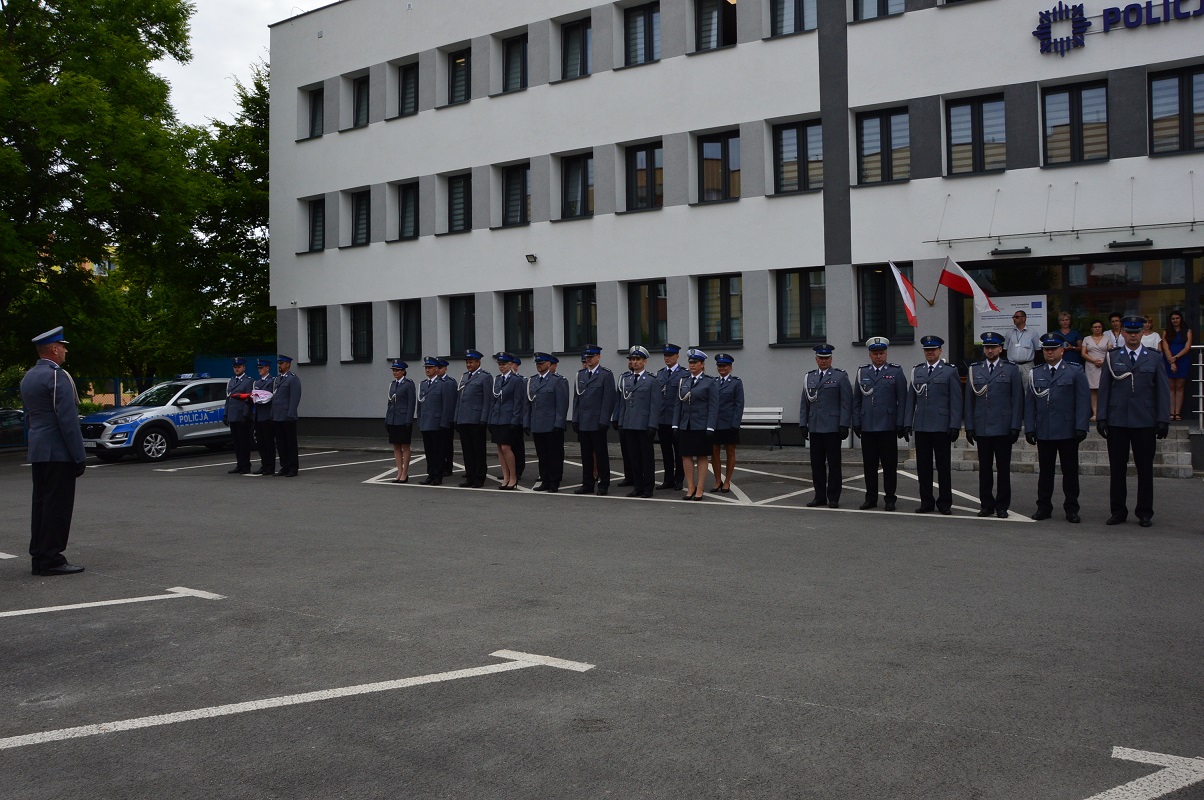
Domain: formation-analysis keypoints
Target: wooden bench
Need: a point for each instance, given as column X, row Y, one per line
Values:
column 766, row 418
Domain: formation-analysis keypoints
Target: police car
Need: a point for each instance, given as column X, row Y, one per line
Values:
column 190, row 410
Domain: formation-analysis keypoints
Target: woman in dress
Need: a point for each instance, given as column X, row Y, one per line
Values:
column 506, row 416
column 1176, row 346
column 727, row 430
column 399, row 419
column 694, row 418
column 1094, row 350
column 1074, row 339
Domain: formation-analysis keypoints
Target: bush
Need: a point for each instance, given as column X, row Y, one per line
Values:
column 10, row 386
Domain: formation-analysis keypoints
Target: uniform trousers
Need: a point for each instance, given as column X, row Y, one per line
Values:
column 241, row 431
column 929, row 447
column 550, row 449
column 594, row 452
column 472, row 445
column 519, row 447
column 642, row 458
column 880, row 448
column 1049, row 453
column 995, row 453
column 265, row 437
column 286, row 445
column 1143, row 442
column 432, row 447
column 625, row 451
column 53, row 503
column 675, row 474
column 825, row 466
column 449, row 449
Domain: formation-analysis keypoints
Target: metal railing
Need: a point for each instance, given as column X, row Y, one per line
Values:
column 1197, row 351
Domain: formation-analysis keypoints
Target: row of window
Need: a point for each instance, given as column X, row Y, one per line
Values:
column 801, row 315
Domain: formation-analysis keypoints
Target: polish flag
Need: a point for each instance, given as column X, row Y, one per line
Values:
column 908, row 292
column 958, row 280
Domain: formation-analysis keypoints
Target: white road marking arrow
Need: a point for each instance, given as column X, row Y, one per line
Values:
column 1176, row 773
column 173, row 593
column 515, row 660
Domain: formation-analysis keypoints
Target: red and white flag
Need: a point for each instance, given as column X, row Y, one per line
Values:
column 958, row 280
column 908, row 293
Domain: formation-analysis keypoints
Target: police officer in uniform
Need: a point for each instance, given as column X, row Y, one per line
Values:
column 436, row 413
column 239, row 412
column 475, row 395
column 825, row 414
column 935, row 418
column 449, row 433
column 399, row 418
column 637, row 415
column 994, row 412
column 265, row 435
column 879, row 418
column 56, row 453
column 506, row 415
column 1057, row 411
column 286, row 398
column 1134, row 409
column 546, row 416
column 593, row 405
column 727, row 426
column 667, row 378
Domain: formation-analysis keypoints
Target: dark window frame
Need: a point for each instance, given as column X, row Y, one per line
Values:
column 317, row 224
column 462, row 319
column 806, row 310
column 360, row 98
column 452, row 70
column 516, row 178
column 883, row 9
column 408, row 205
column 409, row 346
column 464, row 182
column 657, row 295
column 725, row 24
column 360, row 332
column 650, row 46
column 408, row 88
column 514, row 47
column 884, row 118
column 577, row 335
column 728, row 152
column 317, row 112
column 316, row 337
column 581, row 29
column 361, row 218
column 725, row 337
column 978, row 141
column 802, row 131
column 523, row 329
column 582, row 164
column 1074, row 93
column 654, row 198
column 1187, row 110
column 895, row 325
column 801, row 17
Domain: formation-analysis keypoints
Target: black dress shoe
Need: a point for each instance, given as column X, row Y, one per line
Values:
column 552, row 489
column 889, row 506
column 833, row 504
column 1001, row 514
column 817, row 503
column 1075, row 518
column 945, row 511
column 646, row 494
column 429, row 480
column 678, row 485
column 537, row 487
column 716, row 490
column 665, row 485
column 987, row 512
column 1040, row 515
column 467, row 485
column 625, row 482
column 1146, row 523
column 925, row 509
column 867, row 505
column 262, row 471
column 61, row 569
column 281, row 473
column 584, row 490
column 1116, row 519
column 603, row 490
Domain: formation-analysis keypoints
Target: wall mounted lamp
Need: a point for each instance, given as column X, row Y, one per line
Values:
column 1011, row 251
column 1132, row 243
column 531, row 258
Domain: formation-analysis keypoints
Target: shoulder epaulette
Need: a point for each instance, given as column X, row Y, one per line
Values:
column 733, row 377
column 896, row 366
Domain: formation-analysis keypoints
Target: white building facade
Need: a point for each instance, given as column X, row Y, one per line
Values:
column 731, row 174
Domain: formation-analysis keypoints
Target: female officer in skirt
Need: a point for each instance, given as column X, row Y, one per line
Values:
column 694, row 419
column 727, row 430
column 506, row 415
column 399, row 419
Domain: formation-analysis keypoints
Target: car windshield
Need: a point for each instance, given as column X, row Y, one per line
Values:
column 157, row 395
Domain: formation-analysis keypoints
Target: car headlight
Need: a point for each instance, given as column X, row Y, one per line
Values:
column 125, row 420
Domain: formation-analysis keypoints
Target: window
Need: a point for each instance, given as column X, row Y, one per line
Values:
column 883, row 146
column 1177, row 111
column 802, row 305
column 575, row 38
column 317, row 224
column 516, row 195
column 407, row 210
column 714, row 23
column 463, row 312
column 315, row 334
column 798, row 157
column 317, row 111
column 514, row 63
column 792, row 16
column 647, row 313
column 721, row 310
column 882, row 311
column 1076, row 124
column 407, row 90
column 459, row 74
column 361, row 218
column 459, row 203
column 519, row 312
column 976, row 135
column 869, row 9
column 577, row 176
column 645, row 176
column 580, row 316
column 410, row 346
column 359, row 102
column 718, row 167
column 642, row 34
column 361, row 332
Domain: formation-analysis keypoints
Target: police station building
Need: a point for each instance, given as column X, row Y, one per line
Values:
column 732, row 174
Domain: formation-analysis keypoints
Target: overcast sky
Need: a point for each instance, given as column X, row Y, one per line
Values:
column 227, row 37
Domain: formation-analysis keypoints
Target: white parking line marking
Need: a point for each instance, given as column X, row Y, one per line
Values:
column 515, row 660
column 6, row 555
column 348, row 464
column 1177, row 773
column 231, row 463
column 174, row 593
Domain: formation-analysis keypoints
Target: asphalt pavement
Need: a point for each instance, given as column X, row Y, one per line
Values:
column 339, row 635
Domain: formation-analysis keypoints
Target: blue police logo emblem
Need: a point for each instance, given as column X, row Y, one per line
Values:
column 1062, row 13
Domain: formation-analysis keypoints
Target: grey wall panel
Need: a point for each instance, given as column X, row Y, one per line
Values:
column 607, row 160
column 543, row 193
column 1127, row 134
column 1022, row 125
column 481, row 66
column 834, row 110
column 333, row 200
column 539, row 52
column 331, row 95
column 376, row 92
column 677, row 17
column 604, row 22
column 752, row 159
column 682, row 323
column 376, row 219
column 924, row 115
column 482, row 196
column 750, row 21
column 428, row 71
column 677, row 169
column 427, row 204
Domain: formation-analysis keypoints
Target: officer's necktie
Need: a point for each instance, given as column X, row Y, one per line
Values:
column 930, row 370
column 1132, row 356
column 1053, row 371
column 990, row 369
column 693, row 381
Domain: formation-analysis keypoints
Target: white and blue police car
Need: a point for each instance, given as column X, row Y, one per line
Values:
column 190, row 410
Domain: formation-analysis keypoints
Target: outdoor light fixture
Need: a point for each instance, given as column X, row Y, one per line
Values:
column 1133, row 243
column 531, row 259
column 1011, row 251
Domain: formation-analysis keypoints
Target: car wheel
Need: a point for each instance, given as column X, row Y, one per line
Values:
column 152, row 444
column 107, row 457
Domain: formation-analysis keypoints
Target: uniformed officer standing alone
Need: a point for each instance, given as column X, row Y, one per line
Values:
column 399, row 418
column 825, row 413
column 546, row 415
column 994, row 413
column 286, row 400
column 238, row 415
column 879, row 416
column 1134, row 409
column 56, row 453
column 936, row 420
column 1057, row 411
column 265, row 436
